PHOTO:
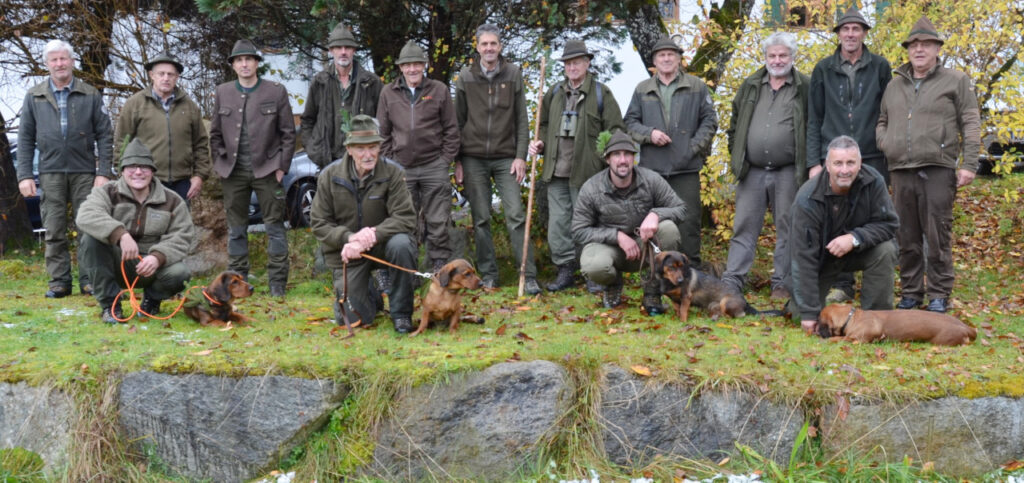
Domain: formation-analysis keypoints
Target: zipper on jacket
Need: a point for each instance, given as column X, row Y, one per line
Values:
column 170, row 153
column 490, row 112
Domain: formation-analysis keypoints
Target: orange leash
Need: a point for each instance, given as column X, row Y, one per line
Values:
column 137, row 306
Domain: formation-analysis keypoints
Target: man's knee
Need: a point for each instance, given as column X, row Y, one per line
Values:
column 668, row 235
column 400, row 247
column 597, row 265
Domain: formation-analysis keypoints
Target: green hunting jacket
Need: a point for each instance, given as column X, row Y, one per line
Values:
column 177, row 138
column 496, row 127
column 945, row 122
column 161, row 225
column 692, row 125
column 322, row 137
column 342, row 205
column 88, row 146
column 602, row 210
column 743, row 111
column 586, row 161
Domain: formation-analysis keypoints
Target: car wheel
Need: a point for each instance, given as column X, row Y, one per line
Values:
column 301, row 204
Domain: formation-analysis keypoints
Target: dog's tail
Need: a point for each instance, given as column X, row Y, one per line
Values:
column 751, row 310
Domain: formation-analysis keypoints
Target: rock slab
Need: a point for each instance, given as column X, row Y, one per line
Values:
column 485, row 426
column 221, row 428
column 963, row 437
column 642, row 420
column 36, row 419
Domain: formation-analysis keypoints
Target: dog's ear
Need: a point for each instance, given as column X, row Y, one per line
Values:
column 659, row 261
column 445, row 275
column 685, row 260
column 220, row 289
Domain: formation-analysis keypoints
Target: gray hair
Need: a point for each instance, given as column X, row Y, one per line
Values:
column 844, row 142
column 57, row 45
column 784, row 39
column 489, row 28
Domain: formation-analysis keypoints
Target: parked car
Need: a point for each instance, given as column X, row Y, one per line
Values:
column 32, row 203
column 300, row 186
column 995, row 150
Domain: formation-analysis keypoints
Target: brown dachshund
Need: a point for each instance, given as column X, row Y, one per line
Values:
column 443, row 300
column 213, row 304
column 685, row 285
column 846, row 322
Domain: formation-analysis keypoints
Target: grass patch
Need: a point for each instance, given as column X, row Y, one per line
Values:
column 64, row 342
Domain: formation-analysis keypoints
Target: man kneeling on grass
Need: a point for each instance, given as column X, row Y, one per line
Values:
column 618, row 211
column 132, row 217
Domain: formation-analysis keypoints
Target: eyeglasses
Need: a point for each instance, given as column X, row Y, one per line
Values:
column 135, row 167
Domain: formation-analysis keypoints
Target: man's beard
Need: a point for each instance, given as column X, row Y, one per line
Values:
column 780, row 72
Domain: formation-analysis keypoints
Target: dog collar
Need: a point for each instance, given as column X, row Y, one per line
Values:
column 211, row 299
column 842, row 330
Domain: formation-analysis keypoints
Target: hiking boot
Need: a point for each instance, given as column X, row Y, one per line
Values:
column 277, row 290
column 531, row 287
column 564, row 279
column 780, row 293
column 938, row 305
column 488, row 284
column 85, row 289
column 150, row 306
column 594, row 287
column 58, row 292
column 383, row 280
column 838, row 296
column 612, row 296
column 109, row 313
column 907, row 303
column 403, row 325
column 652, row 304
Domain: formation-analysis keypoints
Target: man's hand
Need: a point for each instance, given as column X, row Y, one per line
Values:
column 129, row 249
column 659, row 138
column 964, row 177
column 147, row 267
column 649, row 226
column 196, row 185
column 840, row 245
column 628, row 245
column 100, row 181
column 459, row 175
column 518, row 169
column 351, row 251
column 366, row 238
column 814, row 171
column 808, row 326
column 27, row 187
column 536, row 147
column 280, row 175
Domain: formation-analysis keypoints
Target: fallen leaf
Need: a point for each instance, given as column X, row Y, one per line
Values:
column 612, row 331
column 524, row 308
column 928, row 467
column 641, row 370
column 723, row 462
column 523, row 336
column 501, row 329
column 132, row 329
column 203, row 353
column 812, row 431
column 843, row 406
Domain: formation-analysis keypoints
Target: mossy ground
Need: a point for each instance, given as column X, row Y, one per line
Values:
column 63, row 341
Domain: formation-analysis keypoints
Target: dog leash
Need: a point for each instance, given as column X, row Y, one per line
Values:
column 409, row 270
column 649, row 246
column 136, row 305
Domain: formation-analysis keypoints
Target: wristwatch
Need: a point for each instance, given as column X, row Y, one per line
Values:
column 856, row 242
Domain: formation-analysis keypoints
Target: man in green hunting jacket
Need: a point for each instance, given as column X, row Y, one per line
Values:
column 574, row 112
column 135, row 216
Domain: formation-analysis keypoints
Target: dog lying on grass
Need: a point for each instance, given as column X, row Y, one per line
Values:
column 214, row 303
column 852, row 324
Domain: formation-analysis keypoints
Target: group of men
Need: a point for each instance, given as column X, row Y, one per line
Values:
column 817, row 151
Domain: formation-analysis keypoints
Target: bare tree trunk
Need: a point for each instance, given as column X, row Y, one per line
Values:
column 732, row 17
column 643, row 21
column 15, row 229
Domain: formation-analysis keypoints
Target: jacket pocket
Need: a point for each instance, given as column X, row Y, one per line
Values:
column 505, row 95
column 268, row 108
column 225, row 112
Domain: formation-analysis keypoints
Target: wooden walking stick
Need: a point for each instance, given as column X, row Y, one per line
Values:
column 533, row 178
